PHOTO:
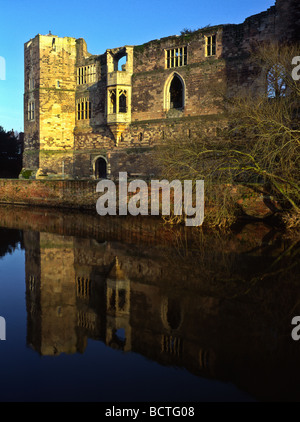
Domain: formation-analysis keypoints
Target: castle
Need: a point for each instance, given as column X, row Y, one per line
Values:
column 92, row 116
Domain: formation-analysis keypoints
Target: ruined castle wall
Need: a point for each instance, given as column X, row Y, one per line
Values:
column 135, row 152
column 287, row 20
column 60, row 143
column 94, row 91
column 151, row 77
column 239, row 41
column 89, row 146
column 31, row 95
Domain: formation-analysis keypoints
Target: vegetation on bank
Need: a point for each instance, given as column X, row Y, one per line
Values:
column 260, row 145
column 11, row 149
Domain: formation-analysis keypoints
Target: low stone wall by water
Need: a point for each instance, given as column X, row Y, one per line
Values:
column 53, row 193
column 81, row 194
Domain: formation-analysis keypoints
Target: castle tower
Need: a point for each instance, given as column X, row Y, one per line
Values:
column 49, row 118
column 50, row 294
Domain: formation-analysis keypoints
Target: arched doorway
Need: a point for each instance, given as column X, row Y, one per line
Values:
column 100, row 168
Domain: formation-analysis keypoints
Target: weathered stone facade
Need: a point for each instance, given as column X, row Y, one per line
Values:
column 88, row 116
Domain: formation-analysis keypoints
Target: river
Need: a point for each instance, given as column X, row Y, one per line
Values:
column 125, row 309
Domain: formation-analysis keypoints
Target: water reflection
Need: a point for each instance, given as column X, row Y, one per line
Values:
column 221, row 307
column 9, row 241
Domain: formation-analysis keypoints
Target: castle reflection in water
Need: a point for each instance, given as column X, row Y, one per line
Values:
column 78, row 289
column 220, row 307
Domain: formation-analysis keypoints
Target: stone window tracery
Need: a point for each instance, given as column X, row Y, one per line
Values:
column 83, row 287
column 122, row 101
column 86, row 74
column 113, row 101
column 117, row 101
column 31, row 84
column 84, row 109
column 176, row 57
column 31, row 109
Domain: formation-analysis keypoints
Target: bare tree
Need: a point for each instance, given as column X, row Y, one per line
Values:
column 261, row 143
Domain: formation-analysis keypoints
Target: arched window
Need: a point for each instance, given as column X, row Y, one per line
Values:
column 276, row 81
column 122, row 63
column 113, row 102
column 172, row 315
column 120, row 60
column 100, row 168
column 174, row 93
column 122, row 101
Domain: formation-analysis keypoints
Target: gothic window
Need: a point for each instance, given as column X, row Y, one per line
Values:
column 86, row 74
column 176, row 57
column 84, row 109
column 171, row 345
column 276, row 81
column 83, row 287
column 176, row 93
column 112, row 101
column 31, row 282
column 117, row 300
column 31, row 83
column 174, row 314
column 117, row 101
column 31, row 107
column 122, row 101
column 86, row 320
column 210, row 45
column 122, row 299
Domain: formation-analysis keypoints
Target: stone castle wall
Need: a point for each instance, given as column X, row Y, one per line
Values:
column 65, row 139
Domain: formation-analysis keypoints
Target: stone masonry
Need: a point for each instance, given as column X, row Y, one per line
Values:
column 91, row 116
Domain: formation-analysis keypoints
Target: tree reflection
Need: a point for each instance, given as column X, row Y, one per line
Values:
column 219, row 306
column 10, row 240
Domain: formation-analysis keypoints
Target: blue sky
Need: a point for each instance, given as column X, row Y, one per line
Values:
column 103, row 24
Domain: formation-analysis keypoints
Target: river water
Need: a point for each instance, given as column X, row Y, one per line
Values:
column 127, row 309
